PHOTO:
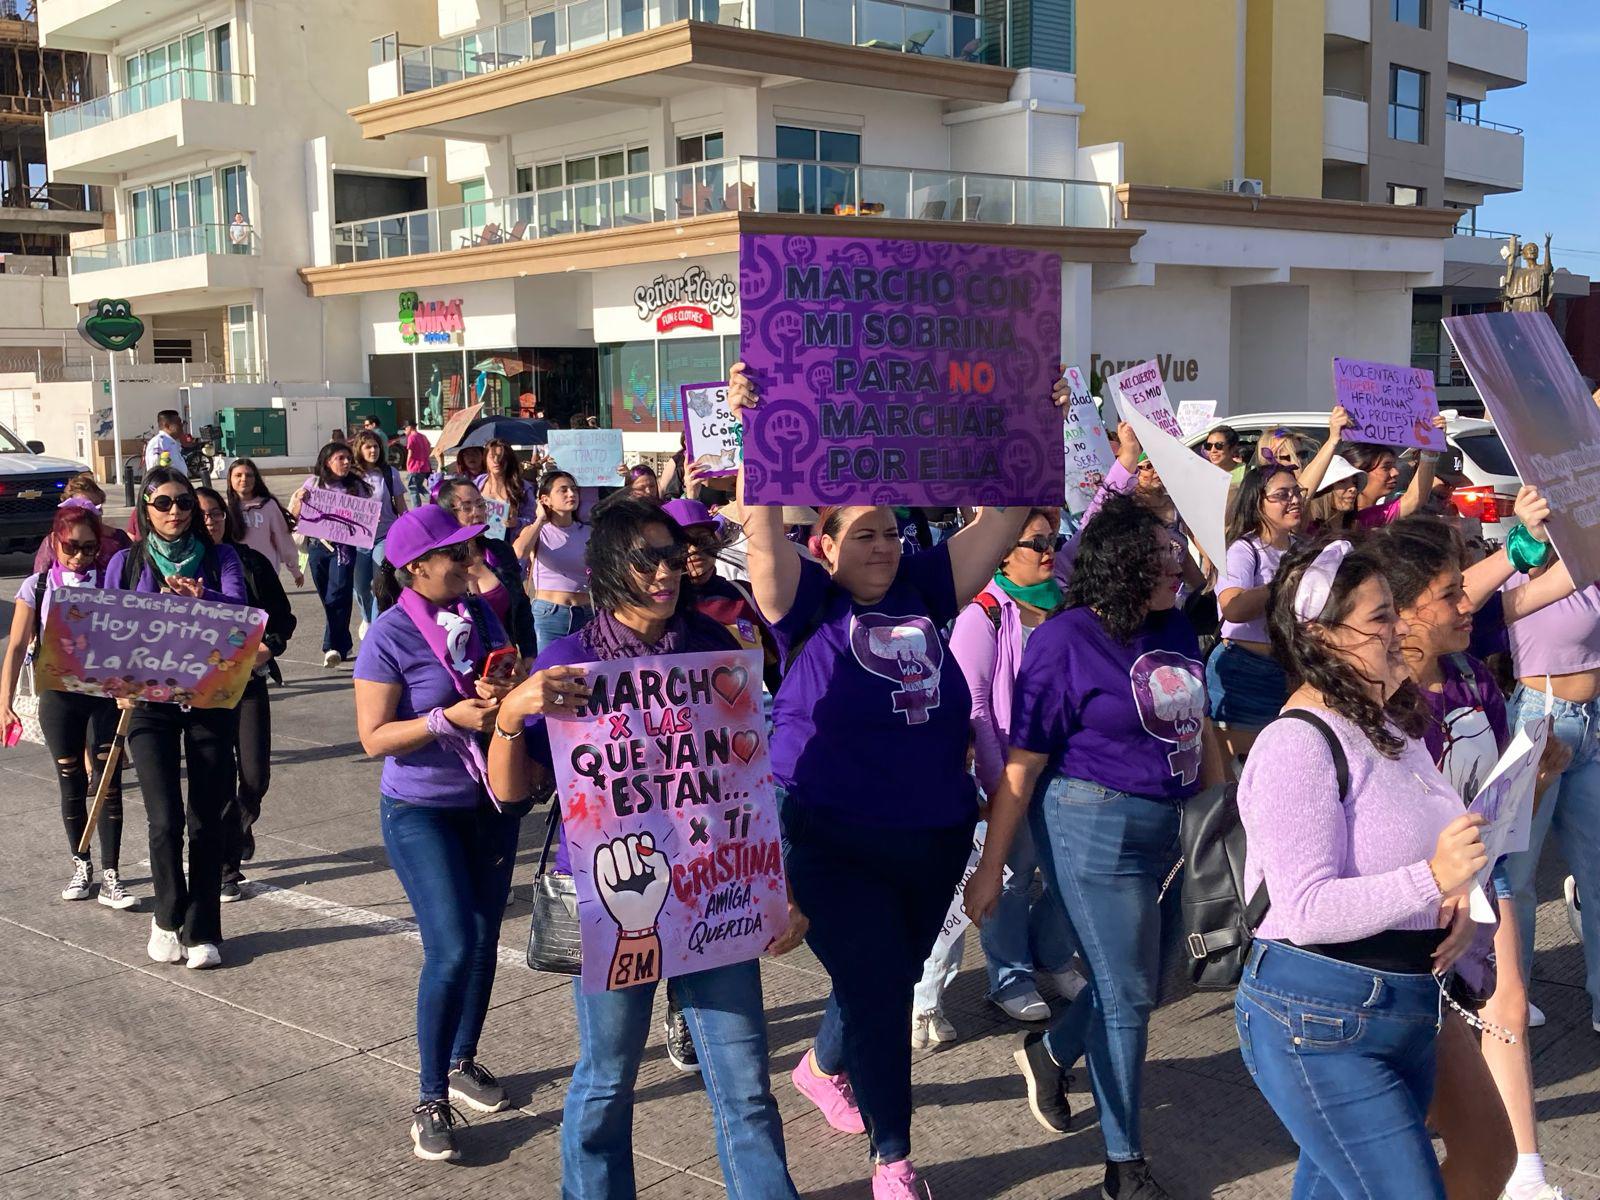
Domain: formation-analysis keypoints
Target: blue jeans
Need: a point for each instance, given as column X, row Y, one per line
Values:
column 367, row 564
column 455, row 865
column 553, row 621
column 1345, row 1056
column 1571, row 807
column 726, row 1019
column 876, row 899
column 417, row 487
column 1108, row 855
column 1244, row 689
column 335, row 584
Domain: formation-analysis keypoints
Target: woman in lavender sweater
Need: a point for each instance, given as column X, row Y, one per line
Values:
column 1338, row 1009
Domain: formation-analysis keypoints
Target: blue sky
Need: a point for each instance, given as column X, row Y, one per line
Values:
column 1557, row 108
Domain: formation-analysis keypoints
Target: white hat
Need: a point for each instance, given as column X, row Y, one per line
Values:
column 1338, row 471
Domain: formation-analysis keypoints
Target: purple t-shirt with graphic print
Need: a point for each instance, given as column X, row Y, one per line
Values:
column 1129, row 717
column 871, row 720
column 1469, row 729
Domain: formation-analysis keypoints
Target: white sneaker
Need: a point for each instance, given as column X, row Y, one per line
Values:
column 82, row 877
column 1026, row 1006
column 204, row 955
column 1069, row 982
column 113, row 894
column 163, row 946
column 1548, row 1192
column 940, row 1031
column 921, row 1035
column 1535, row 1015
column 331, row 658
column 1574, row 907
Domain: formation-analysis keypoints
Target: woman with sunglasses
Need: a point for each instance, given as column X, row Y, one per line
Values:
column 725, row 602
column 384, row 484
column 1022, row 936
column 1245, row 684
column 254, row 749
column 75, row 726
column 869, row 748
column 1221, row 449
column 424, row 704
column 169, row 741
column 502, row 481
column 333, row 564
column 1109, row 709
column 262, row 521
column 637, row 557
column 557, row 542
column 495, row 573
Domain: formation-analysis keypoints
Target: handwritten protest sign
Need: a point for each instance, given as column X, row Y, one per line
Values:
column 332, row 515
column 1198, row 489
column 1388, row 405
column 711, row 435
column 498, row 512
column 142, row 646
column 955, row 917
column 1141, row 388
column 1088, row 449
column 1545, row 416
column 1195, row 415
column 897, row 372
column 590, row 456
column 668, row 804
column 1506, row 801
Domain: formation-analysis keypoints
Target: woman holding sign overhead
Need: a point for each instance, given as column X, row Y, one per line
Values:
column 166, row 741
column 869, row 747
column 333, row 564
column 637, row 555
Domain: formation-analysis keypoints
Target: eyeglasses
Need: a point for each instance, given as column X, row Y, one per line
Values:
column 165, row 504
column 648, row 559
column 213, row 514
column 1216, row 445
column 79, row 549
column 470, row 505
column 1286, row 495
column 1041, row 543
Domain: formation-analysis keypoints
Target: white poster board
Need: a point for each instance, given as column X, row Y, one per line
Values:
column 955, row 917
column 1198, row 489
column 713, row 439
column 1089, row 454
column 1195, row 415
column 1141, row 388
column 1506, row 801
column 498, row 512
column 590, row 456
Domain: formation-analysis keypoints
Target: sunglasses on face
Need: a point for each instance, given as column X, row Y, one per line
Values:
column 648, row 559
column 458, row 552
column 1041, row 543
column 1286, row 495
column 1216, row 445
column 79, row 549
column 165, row 504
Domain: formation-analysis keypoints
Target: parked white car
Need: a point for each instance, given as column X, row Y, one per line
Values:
column 1476, row 453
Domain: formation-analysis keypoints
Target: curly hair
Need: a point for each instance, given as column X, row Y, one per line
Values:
column 617, row 530
column 1309, row 659
column 1121, row 557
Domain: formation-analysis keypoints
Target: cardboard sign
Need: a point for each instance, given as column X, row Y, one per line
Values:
column 455, row 428
column 498, row 512
column 1141, row 388
column 1506, row 801
column 1195, row 415
column 1547, row 419
column 590, row 456
column 895, row 372
column 148, row 646
column 331, row 515
column 1198, row 489
column 1088, row 449
column 1388, row 405
column 711, row 436
column 955, row 917
column 669, row 808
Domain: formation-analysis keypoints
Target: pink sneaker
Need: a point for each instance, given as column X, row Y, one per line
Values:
column 830, row 1093
column 899, row 1181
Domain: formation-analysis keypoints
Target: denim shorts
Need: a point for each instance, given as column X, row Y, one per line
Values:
column 1246, row 690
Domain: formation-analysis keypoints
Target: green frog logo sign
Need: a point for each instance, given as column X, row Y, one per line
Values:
column 111, row 325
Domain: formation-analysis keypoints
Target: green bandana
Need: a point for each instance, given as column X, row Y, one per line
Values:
column 180, row 557
column 1045, row 596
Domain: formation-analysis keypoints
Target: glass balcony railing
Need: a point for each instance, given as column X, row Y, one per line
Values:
column 745, row 184
column 897, row 25
column 164, row 247
column 181, row 84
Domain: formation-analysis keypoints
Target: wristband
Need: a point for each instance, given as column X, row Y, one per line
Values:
column 504, row 736
column 1526, row 552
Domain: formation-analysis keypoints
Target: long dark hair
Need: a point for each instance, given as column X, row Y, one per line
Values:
column 1364, row 456
column 549, row 480
column 512, row 479
column 232, row 528
column 259, row 491
column 616, row 531
column 353, row 481
column 1121, row 557
column 1244, row 518
column 159, row 477
column 1415, row 551
column 1309, row 659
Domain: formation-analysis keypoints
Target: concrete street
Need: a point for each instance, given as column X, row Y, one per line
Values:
column 290, row 1072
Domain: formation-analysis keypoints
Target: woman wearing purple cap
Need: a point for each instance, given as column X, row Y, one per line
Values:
column 424, row 705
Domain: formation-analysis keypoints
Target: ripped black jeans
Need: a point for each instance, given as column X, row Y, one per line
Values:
column 73, row 725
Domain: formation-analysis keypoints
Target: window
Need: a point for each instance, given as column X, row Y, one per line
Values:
column 1462, row 108
column 241, row 341
column 1410, row 12
column 1467, row 222
column 178, row 70
column 587, row 168
column 358, row 197
column 807, row 184
column 1400, row 193
column 640, row 381
column 1408, row 98
column 188, row 206
column 702, row 147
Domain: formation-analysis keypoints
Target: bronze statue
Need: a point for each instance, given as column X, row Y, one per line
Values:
column 1527, row 286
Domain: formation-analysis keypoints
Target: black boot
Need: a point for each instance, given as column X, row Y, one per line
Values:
column 1131, row 1181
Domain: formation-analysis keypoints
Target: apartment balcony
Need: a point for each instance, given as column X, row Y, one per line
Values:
column 1348, row 21
column 183, row 112
column 1488, row 45
column 1485, row 154
column 92, row 25
column 176, row 262
column 661, row 48
column 1344, row 126
column 701, row 209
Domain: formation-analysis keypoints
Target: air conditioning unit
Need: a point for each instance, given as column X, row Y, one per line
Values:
column 1244, row 187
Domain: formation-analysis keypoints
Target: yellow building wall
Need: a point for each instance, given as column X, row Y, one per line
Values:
column 1283, row 95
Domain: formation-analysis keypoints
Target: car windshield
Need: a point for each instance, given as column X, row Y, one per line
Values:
column 10, row 443
column 1487, row 452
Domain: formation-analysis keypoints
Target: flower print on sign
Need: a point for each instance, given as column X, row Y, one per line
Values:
column 1170, row 694
column 906, row 651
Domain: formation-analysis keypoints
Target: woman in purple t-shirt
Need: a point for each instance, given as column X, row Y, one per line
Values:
column 1110, row 707
column 869, row 748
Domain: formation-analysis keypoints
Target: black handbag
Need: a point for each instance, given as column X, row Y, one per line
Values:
column 555, row 943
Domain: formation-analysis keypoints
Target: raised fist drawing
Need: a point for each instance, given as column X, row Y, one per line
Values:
column 632, row 877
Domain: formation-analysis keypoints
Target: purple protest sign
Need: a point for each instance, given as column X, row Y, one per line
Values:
column 1388, row 405
column 899, row 372
column 343, row 517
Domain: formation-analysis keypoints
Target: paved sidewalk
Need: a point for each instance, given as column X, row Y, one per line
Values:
column 290, row 1072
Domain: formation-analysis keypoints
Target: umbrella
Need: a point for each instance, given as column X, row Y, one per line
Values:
column 515, row 430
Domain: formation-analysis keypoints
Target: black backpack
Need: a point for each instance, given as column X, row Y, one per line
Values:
column 1218, row 922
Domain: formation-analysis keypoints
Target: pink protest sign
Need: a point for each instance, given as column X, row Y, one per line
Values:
column 334, row 516
column 1142, row 388
column 1388, row 405
column 668, row 806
